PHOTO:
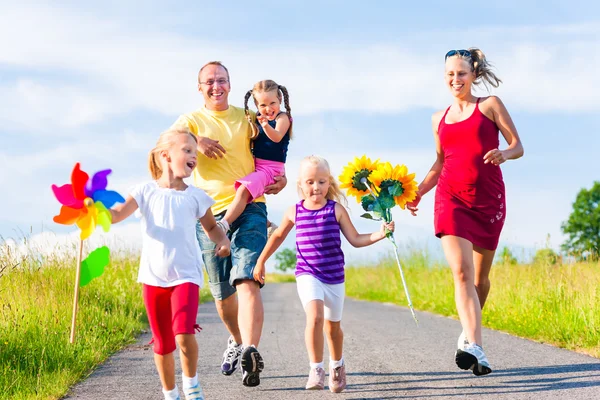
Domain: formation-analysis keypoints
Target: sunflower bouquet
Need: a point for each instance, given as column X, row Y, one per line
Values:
column 379, row 187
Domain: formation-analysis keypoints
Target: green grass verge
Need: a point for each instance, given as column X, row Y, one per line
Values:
column 553, row 304
column 558, row 304
column 36, row 359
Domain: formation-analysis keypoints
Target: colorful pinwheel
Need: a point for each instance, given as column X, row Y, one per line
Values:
column 379, row 187
column 86, row 202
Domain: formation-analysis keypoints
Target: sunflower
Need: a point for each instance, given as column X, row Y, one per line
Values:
column 354, row 172
column 395, row 181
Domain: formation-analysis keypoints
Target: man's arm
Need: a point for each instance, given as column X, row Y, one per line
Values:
column 209, row 147
column 280, row 183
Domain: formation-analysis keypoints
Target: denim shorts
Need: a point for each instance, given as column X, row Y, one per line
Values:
column 248, row 237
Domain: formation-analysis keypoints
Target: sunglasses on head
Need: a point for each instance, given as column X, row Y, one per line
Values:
column 463, row 53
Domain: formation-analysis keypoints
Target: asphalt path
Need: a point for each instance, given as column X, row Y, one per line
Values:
column 387, row 357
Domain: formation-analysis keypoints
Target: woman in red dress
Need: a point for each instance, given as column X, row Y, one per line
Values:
column 470, row 205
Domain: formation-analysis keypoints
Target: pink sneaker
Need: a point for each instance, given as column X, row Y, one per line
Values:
column 316, row 379
column 337, row 379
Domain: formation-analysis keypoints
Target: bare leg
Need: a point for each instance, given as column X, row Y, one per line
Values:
column 228, row 311
column 165, row 364
column 482, row 260
column 237, row 207
column 313, row 334
column 188, row 352
column 335, row 339
column 459, row 254
column 251, row 313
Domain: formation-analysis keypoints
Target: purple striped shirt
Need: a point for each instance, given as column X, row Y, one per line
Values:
column 318, row 243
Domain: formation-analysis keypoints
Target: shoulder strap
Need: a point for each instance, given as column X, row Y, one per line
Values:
column 443, row 120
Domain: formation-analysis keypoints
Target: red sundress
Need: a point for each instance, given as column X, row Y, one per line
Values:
column 470, row 197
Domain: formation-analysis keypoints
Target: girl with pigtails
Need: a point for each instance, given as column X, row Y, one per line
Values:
column 271, row 134
column 470, row 201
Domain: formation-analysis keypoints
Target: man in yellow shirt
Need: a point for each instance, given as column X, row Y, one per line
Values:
column 223, row 156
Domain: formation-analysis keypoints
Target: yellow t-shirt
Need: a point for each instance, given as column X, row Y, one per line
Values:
column 232, row 130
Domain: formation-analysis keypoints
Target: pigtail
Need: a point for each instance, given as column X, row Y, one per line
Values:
column 154, row 165
column 483, row 69
column 288, row 109
column 253, row 126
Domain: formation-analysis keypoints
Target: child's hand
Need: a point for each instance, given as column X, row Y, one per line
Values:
column 259, row 273
column 264, row 121
column 385, row 228
column 223, row 249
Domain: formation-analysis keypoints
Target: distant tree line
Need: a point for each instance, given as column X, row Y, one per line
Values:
column 582, row 229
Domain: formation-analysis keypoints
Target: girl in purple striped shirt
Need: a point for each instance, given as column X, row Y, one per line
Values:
column 319, row 217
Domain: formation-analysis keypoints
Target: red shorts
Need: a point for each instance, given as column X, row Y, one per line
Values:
column 171, row 311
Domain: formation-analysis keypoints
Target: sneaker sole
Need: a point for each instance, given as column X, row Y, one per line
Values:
column 468, row 361
column 337, row 390
column 315, row 387
column 252, row 369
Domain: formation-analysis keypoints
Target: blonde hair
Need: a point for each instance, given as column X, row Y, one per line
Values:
column 217, row 63
column 482, row 68
column 268, row 86
column 334, row 192
column 164, row 142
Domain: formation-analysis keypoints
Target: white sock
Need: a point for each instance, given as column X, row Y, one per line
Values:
column 316, row 365
column 335, row 364
column 171, row 394
column 189, row 382
column 244, row 347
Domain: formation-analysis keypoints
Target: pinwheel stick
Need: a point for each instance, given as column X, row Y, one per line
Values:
column 76, row 295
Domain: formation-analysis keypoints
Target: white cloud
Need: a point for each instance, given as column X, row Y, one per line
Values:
column 120, row 70
column 75, row 70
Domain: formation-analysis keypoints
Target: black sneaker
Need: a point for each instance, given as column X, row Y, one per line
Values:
column 252, row 366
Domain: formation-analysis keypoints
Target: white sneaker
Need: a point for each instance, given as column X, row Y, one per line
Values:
column 472, row 357
column 231, row 357
column 462, row 341
column 194, row 393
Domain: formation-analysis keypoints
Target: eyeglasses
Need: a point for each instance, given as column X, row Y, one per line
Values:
column 211, row 82
column 462, row 53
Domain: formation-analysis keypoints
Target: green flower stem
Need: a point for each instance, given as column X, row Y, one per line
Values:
column 412, row 310
column 387, row 216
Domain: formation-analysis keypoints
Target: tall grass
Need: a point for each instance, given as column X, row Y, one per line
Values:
column 36, row 359
column 556, row 304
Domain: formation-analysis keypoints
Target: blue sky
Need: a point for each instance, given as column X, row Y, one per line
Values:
column 98, row 83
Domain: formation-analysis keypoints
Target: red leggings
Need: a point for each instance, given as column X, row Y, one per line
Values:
column 171, row 311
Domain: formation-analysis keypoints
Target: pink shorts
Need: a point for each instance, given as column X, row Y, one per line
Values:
column 265, row 171
column 171, row 311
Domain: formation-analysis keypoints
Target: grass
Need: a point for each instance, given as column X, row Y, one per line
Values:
column 555, row 304
column 36, row 359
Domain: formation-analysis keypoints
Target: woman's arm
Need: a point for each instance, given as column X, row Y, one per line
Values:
column 434, row 172
column 494, row 106
column 433, row 175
